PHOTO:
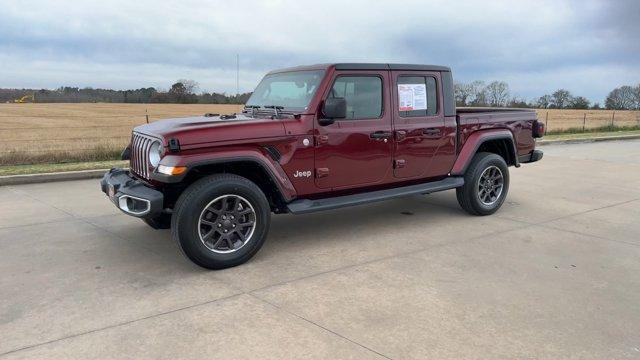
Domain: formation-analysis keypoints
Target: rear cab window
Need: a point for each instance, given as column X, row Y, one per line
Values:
column 417, row 96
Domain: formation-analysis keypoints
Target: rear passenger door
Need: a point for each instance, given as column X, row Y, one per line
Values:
column 419, row 125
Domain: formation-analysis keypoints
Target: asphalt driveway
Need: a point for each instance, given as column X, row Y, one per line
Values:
column 554, row 274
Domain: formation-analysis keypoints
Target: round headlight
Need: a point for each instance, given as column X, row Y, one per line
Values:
column 155, row 154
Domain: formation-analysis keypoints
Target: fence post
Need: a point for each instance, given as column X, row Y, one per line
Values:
column 584, row 122
column 146, row 114
column 613, row 117
column 546, row 122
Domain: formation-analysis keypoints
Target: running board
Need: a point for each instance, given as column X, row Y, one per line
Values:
column 303, row 206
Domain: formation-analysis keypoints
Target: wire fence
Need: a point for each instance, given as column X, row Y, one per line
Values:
column 40, row 138
column 558, row 121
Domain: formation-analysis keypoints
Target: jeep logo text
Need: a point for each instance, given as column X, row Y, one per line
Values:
column 302, row 173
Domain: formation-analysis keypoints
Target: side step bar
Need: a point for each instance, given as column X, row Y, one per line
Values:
column 303, row 206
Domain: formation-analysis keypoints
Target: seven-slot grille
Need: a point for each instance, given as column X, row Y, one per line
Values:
column 140, row 145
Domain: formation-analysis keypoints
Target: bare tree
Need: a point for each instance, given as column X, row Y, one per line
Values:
column 462, row 93
column 190, row 86
column 518, row 102
column 498, row 93
column 560, row 99
column 478, row 92
column 579, row 102
column 544, row 101
column 183, row 92
column 622, row 98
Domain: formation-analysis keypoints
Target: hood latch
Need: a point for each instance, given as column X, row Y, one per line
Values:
column 174, row 145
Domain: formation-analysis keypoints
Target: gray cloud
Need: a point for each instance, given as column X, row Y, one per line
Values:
column 588, row 47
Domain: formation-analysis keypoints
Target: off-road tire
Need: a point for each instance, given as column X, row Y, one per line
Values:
column 159, row 222
column 468, row 195
column 186, row 227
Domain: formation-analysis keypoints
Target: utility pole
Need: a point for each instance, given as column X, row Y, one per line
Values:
column 237, row 74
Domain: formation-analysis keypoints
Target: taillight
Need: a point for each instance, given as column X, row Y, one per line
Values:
column 538, row 129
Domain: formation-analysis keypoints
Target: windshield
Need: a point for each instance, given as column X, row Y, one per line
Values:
column 291, row 90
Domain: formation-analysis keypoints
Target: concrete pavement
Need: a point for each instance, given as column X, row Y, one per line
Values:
column 554, row 274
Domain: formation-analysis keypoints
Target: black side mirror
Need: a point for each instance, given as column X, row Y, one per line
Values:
column 333, row 108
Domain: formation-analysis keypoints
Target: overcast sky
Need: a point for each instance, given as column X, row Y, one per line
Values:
column 588, row 46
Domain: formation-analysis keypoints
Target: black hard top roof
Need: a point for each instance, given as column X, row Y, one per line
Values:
column 366, row 66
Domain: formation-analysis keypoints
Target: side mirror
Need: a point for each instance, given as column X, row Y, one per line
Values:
column 333, row 108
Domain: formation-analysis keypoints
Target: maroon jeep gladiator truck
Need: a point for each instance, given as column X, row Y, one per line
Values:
column 315, row 138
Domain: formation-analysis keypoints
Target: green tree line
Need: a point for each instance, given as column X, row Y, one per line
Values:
column 476, row 93
column 181, row 92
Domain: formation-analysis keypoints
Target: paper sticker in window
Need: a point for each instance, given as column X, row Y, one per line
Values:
column 412, row 97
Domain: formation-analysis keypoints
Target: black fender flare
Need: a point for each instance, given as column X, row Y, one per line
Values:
column 475, row 141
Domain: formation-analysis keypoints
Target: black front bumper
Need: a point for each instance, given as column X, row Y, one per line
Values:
column 131, row 195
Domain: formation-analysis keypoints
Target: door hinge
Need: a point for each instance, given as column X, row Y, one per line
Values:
column 400, row 163
column 322, row 139
column 322, row 172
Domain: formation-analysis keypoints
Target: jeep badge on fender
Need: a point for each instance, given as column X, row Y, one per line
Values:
column 379, row 131
column 302, row 174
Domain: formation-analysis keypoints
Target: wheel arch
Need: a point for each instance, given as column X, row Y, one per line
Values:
column 497, row 142
column 256, row 167
column 250, row 168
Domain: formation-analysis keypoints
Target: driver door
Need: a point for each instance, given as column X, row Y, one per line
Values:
column 356, row 150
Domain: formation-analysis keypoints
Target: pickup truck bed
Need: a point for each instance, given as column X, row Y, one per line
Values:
column 519, row 121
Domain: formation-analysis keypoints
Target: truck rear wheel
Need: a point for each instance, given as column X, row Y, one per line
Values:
column 486, row 183
column 221, row 221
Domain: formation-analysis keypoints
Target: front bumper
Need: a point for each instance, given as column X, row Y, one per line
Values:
column 131, row 195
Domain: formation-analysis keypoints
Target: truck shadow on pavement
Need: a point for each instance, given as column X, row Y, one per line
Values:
column 411, row 220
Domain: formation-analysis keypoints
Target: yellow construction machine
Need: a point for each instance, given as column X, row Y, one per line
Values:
column 26, row 99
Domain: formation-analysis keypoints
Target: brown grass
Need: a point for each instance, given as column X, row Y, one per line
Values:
column 47, row 133
column 590, row 119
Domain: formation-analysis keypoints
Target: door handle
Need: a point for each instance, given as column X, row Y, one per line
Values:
column 431, row 132
column 379, row 135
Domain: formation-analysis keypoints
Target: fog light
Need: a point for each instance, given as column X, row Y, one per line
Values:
column 171, row 170
column 134, row 205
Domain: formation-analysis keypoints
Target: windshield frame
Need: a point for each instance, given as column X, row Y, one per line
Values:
column 286, row 107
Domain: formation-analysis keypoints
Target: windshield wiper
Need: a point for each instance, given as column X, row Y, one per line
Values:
column 253, row 109
column 276, row 109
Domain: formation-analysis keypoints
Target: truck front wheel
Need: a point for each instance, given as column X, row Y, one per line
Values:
column 486, row 183
column 221, row 221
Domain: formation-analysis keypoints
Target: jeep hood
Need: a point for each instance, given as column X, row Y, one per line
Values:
column 209, row 129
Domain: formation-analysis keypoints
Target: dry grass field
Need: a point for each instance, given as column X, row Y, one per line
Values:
column 44, row 133
column 39, row 133
column 590, row 119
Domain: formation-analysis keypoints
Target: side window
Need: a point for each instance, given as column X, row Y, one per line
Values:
column 363, row 95
column 417, row 96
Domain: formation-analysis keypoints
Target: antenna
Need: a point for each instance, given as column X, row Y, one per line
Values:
column 237, row 74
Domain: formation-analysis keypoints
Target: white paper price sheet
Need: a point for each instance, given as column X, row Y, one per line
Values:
column 412, row 97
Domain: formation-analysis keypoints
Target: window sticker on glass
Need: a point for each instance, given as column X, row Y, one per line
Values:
column 412, row 97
